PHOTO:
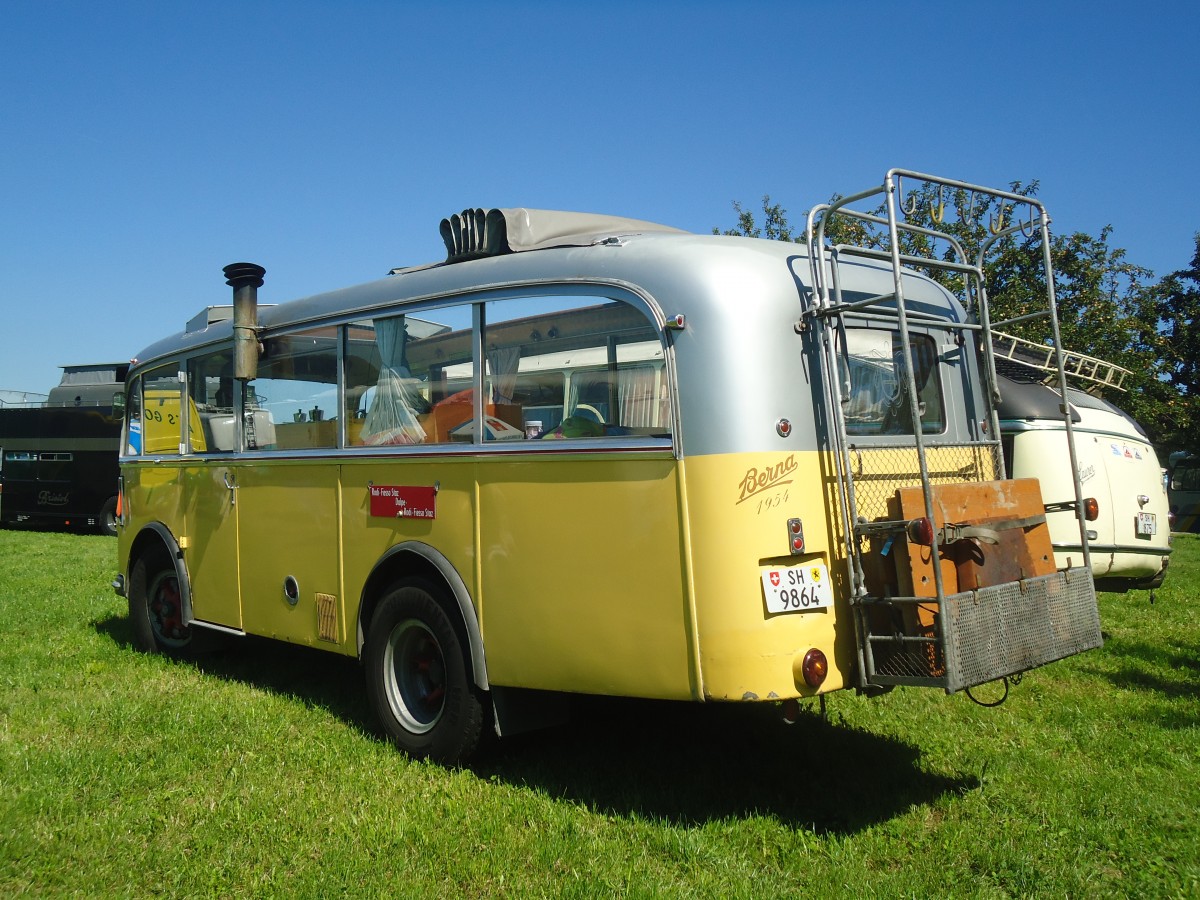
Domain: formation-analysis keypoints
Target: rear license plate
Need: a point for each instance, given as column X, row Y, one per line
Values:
column 1146, row 523
column 797, row 588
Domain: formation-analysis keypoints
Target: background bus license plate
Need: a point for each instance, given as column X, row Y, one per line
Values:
column 1146, row 523
column 797, row 588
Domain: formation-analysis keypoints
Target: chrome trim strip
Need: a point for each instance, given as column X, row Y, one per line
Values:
column 1113, row 548
column 655, row 446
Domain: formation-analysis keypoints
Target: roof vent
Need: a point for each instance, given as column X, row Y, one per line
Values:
column 473, row 233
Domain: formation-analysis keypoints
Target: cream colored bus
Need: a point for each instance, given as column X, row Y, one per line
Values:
column 592, row 455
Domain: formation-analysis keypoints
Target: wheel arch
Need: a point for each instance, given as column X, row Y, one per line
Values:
column 157, row 537
column 413, row 558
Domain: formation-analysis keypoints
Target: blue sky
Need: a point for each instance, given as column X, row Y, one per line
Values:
column 145, row 145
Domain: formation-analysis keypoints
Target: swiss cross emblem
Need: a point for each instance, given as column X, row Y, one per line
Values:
column 775, row 579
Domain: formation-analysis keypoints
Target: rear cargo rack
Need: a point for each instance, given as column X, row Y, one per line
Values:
column 923, row 631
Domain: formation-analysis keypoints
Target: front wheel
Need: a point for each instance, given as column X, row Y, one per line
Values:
column 417, row 676
column 156, row 607
column 108, row 518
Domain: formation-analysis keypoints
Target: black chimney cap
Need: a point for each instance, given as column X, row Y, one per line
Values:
column 244, row 273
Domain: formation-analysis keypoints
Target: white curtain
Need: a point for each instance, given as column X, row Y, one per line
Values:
column 502, row 364
column 642, row 403
column 391, row 419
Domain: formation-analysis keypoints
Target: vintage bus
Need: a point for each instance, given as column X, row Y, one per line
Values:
column 1184, row 491
column 1130, row 540
column 593, row 455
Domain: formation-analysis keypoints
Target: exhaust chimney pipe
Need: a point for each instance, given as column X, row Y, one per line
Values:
column 245, row 279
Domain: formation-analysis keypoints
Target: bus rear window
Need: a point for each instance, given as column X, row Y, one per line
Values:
column 876, row 403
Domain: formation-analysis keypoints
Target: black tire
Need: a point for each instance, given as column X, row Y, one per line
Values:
column 108, row 518
column 156, row 608
column 418, row 679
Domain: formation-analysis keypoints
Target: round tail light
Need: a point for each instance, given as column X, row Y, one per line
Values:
column 920, row 531
column 814, row 668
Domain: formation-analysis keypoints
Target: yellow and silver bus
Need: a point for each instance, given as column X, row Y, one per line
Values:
column 593, row 455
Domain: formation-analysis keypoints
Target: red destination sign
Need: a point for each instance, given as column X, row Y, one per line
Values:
column 396, row 502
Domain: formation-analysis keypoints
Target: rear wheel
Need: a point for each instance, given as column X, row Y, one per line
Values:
column 156, row 607
column 418, row 679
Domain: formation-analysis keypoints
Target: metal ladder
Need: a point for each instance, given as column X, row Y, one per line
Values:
column 1097, row 372
column 891, row 653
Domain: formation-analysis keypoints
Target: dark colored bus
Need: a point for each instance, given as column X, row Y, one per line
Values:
column 58, row 459
column 1184, row 492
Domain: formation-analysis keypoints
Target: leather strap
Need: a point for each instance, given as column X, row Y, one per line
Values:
column 988, row 533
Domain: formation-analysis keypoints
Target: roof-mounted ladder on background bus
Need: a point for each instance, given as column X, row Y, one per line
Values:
column 1097, row 372
column 932, row 639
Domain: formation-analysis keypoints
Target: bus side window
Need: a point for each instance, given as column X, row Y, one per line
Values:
column 573, row 367
column 133, row 419
column 408, row 378
column 210, row 388
column 292, row 404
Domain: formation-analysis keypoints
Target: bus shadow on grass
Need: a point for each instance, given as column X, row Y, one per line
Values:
column 317, row 678
column 677, row 762
column 695, row 763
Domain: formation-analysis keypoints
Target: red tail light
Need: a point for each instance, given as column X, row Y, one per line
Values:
column 920, row 531
column 814, row 668
column 796, row 535
column 1091, row 509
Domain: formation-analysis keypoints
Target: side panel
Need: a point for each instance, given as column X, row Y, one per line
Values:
column 153, row 493
column 288, row 533
column 451, row 532
column 582, row 576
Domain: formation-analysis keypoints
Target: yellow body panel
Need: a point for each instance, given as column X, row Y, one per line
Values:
column 582, row 577
column 287, row 529
column 621, row 574
column 211, row 552
column 738, row 509
column 366, row 538
column 574, row 567
column 151, row 494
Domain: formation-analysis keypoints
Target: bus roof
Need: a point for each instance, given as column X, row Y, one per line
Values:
column 501, row 249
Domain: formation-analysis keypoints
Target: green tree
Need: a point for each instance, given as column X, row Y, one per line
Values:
column 1106, row 306
column 775, row 222
column 1174, row 336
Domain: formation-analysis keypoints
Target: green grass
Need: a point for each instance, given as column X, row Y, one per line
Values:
column 258, row 772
